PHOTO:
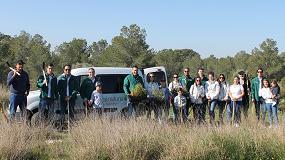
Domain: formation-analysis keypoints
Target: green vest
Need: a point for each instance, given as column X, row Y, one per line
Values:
column 62, row 86
column 130, row 82
column 44, row 88
column 255, row 83
column 86, row 88
column 186, row 82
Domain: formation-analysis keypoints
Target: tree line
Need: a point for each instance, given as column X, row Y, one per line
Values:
column 130, row 48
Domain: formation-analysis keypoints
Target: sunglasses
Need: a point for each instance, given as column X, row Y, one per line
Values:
column 186, row 71
column 198, row 80
column 67, row 69
column 175, row 77
column 151, row 76
column 222, row 77
column 259, row 72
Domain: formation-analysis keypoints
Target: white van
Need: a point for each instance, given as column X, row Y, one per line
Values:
column 112, row 78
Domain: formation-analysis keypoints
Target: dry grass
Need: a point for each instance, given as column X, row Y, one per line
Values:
column 142, row 139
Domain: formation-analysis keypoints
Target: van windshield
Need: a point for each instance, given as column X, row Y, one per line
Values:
column 112, row 83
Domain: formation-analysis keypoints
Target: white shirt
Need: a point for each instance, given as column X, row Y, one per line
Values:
column 151, row 87
column 236, row 91
column 67, row 86
column 97, row 99
column 212, row 89
column 196, row 94
column 266, row 94
column 174, row 85
column 49, row 86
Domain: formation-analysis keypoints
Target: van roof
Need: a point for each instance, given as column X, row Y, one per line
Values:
column 101, row 70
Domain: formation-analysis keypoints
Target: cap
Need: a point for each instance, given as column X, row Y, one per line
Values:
column 20, row 62
column 98, row 84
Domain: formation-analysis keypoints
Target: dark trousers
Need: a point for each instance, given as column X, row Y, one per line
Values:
column 15, row 101
column 257, row 105
column 45, row 106
column 63, row 108
column 245, row 106
column 153, row 106
column 221, row 106
column 198, row 114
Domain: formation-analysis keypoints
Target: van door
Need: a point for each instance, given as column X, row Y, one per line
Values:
column 159, row 73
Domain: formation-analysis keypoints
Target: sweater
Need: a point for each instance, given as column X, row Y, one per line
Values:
column 212, row 89
column 196, row 94
column 130, row 82
column 18, row 84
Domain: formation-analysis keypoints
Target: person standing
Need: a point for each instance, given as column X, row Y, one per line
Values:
column 87, row 87
column 204, row 79
column 49, row 92
column 269, row 101
column 186, row 81
column 151, row 87
column 19, row 88
column 275, row 90
column 174, row 87
column 179, row 108
column 236, row 93
column 223, row 98
column 97, row 100
column 197, row 93
column 256, row 84
column 166, row 97
column 212, row 90
column 246, row 86
column 67, row 89
column 129, row 84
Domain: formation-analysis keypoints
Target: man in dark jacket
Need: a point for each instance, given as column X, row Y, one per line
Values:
column 67, row 89
column 19, row 87
column 49, row 93
column 186, row 80
column 87, row 87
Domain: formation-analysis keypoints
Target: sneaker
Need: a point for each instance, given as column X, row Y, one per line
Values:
column 236, row 125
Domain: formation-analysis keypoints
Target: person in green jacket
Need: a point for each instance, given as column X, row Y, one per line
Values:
column 186, row 80
column 87, row 87
column 129, row 84
column 256, row 85
column 67, row 89
column 48, row 94
column 204, row 79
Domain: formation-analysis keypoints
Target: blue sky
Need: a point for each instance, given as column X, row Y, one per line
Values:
column 220, row 27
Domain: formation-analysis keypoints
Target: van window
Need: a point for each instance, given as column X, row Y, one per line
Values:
column 158, row 76
column 112, row 83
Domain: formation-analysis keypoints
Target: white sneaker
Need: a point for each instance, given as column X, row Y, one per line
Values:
column 270, row 126
column 236, row 125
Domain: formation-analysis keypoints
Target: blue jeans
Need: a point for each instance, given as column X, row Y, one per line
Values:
column 258, row 105
column 177, row 113
column 44, row 107
column 272, row 113
column 221, row 106
column 198, row 112
column 275, row 115
column 237, row 112
column 212, row 110
column 15, row 101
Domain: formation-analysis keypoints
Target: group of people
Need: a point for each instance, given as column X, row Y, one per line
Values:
column 198, row 94
column 63, row 89
column 184, row 93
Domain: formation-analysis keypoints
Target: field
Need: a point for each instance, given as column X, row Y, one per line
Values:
column 142, row 139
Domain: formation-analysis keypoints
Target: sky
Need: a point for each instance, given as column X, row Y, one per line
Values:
column 218, row 27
